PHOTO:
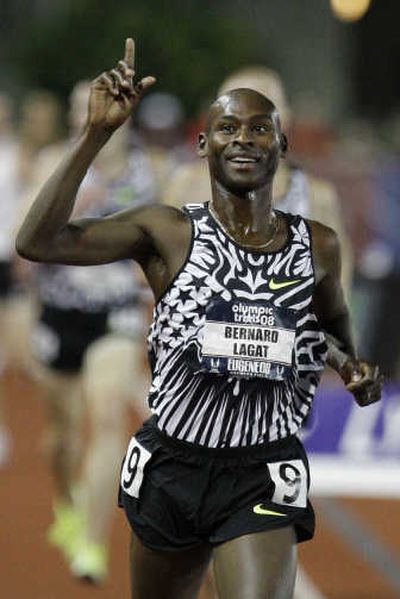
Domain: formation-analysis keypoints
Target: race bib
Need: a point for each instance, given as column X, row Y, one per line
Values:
column 132, row 471
column 248, row 339
column 290, row 479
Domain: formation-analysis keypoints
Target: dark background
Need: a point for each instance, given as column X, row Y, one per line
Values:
column 352, row 69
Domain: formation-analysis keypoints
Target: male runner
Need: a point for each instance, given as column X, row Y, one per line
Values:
column 244, row 297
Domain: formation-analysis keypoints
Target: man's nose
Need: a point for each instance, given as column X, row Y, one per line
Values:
column 243, row 135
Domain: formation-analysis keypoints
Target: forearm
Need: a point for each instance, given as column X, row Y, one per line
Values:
column 362, row 379
column 339, row 338
column 52, row 207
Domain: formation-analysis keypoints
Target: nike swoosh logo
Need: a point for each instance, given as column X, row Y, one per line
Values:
column 262, row 511
column 275, row 285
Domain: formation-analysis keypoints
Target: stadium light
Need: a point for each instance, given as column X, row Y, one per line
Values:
column 349, row 10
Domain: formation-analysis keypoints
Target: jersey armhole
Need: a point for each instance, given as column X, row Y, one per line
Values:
column 189, row 253
column 311, row 244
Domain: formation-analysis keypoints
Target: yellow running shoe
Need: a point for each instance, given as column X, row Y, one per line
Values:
column 66, row 530
column 90, row 563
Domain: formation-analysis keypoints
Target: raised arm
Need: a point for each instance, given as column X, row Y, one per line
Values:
column 361, row 378
column 46, row 234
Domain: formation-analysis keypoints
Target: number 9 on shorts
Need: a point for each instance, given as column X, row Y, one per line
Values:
column 132, row 471
column 290, row 478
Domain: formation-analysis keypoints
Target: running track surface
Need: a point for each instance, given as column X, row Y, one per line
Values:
column 355, row 554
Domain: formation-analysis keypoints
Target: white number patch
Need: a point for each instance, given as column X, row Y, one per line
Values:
column 132, row 471
column 290, row 480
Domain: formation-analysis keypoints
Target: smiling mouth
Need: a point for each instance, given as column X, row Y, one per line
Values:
column 243, row 159
column 243, row 162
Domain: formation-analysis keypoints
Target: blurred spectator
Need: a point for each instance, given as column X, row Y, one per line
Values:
column 40, row 124
column 15, row 312
column 310, row 135
column 160, row 123
column 366, row 175
column 89, row 344
column 8, row 211
column 380, row 268
column 359, row 164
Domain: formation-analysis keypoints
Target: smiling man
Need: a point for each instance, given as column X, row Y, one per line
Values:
column 248, row 310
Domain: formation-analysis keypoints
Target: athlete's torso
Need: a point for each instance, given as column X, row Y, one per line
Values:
column 236, row 349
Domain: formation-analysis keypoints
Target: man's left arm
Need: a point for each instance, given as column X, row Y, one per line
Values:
column 361, row 378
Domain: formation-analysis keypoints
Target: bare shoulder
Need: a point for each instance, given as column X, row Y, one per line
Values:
column 168, row 232
column 160, row 220
column 153, row 219
column 325, row 248
column 155, row 212
column 324, row 238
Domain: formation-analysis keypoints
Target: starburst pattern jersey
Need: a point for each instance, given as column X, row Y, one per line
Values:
column 235, row 347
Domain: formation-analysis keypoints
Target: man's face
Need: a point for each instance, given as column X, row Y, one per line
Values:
column 243, row 142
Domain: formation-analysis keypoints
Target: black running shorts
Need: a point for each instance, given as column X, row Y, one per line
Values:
column 61, row 337
column 177, row 495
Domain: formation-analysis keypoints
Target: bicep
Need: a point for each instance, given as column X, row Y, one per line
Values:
column 328, row 297
column 89, row 241
column 329, row 301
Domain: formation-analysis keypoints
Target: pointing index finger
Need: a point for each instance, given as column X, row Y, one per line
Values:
column 129, row 57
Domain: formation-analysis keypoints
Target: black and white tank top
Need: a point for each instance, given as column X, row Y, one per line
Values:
column 235, row 347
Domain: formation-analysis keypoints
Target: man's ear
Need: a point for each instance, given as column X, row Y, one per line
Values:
column 284, row 145
column 202, row 145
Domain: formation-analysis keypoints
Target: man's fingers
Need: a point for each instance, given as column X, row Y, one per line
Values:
column 360, row 387
column 120, row 80
column 368, row 396
column 129, row 57
column 365, row 383
column 364, row 375
column 371, row 372
column 126, row 71
column 108, row 82
column 368, row 392
column 145, row 83
column 357, row 384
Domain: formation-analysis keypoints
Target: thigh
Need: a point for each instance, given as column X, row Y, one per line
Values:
column 113, row 371
column 257, row 566
column 107, row 379
column 62, row 395
column 18, row 313
column 167, row 574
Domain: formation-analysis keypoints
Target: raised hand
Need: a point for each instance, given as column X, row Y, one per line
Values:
column 115, row 93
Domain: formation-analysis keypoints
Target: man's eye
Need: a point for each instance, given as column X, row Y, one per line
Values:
column 227, row 128
column 262, row 128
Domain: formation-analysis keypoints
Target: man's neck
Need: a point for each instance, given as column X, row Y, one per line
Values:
column 247, row 216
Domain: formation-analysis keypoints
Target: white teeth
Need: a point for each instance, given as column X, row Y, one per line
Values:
column 243, row 159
